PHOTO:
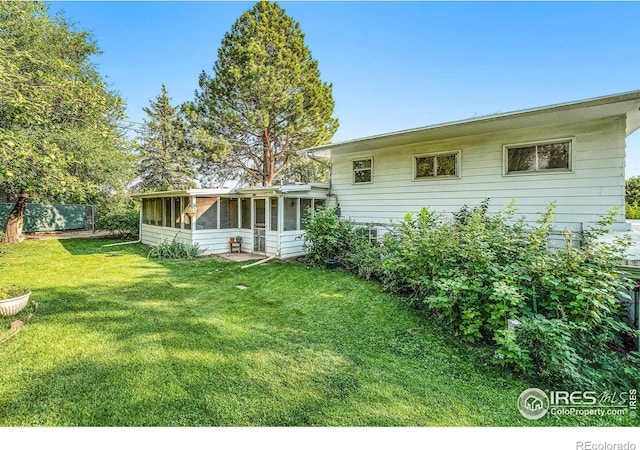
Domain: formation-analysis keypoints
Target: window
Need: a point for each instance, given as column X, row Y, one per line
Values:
column 186, row 202
column 159, row 211
column 146, row 211
column 167, row 212
column 438, row 165
column 274, row 214
column 363, row 170
column 152, row 211
column 207, row 213
column 260, row 218
column 305, row 208
column 246, row 213
column 373, row 235
column 369, row 233
column 228, row 213
column 543, row 157
column 290, row 213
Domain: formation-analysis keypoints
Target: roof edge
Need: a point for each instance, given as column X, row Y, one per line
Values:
column 596, row 101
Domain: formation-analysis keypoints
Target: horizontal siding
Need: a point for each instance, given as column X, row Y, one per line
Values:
column 272, row 244
column 152, row 235
column 217, row 241
column 214, row 241
column 594, row 186
column 291, row 244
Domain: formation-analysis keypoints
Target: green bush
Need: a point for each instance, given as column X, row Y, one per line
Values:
column 365, row 260
column 632, row 211
column 121, row 217
column 569, row 355
column 327, row 237
column 632, row 190
column 175, row 250
column 470, row 270
column 542, row 348
column 475, row 271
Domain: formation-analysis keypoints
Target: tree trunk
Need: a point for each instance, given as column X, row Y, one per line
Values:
column 13, row 230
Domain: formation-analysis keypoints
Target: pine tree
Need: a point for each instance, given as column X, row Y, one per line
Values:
column 265, row 100
column 166, row 163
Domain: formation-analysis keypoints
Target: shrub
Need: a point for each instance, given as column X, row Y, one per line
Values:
column 122, row 218
column 469, row 270
column 475, row 271
column 632, row 190
column 327, row 237
column 632, row 211
column 365, row 260
column 543, row 348
column 175, row 250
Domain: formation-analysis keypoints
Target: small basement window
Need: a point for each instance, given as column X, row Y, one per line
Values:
column 542, row 157
column 363, row 170
column 370, row 233
column 438, row 165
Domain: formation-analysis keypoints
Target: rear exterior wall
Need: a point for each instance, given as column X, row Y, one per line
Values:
column 594, row 186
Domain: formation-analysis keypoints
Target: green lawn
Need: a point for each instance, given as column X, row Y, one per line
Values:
column 123, row 340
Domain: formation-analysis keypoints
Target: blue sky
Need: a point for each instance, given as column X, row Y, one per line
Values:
column 393, row 65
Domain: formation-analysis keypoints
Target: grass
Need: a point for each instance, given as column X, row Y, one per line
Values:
column 123, row 340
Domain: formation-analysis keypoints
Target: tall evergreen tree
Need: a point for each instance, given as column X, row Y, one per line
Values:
column 166, row 162
column 265, row 100
column 59, row 135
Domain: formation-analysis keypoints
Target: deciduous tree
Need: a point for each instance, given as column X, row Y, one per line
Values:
column 59, row 135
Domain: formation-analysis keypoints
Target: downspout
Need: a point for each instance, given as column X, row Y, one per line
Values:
column 330, row 167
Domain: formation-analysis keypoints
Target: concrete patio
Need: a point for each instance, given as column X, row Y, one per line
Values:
column 240, row 257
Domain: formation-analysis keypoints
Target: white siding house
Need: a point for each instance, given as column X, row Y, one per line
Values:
column 573, row 154
column 269, row 219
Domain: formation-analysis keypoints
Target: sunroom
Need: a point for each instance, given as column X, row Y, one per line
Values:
column 268, row 220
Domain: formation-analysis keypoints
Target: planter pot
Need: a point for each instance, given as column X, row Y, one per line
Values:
column 13, row 306
column 331, row 264
column 191, row 214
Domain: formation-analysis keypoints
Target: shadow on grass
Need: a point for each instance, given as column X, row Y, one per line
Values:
column 82, row 246
column 177, row 344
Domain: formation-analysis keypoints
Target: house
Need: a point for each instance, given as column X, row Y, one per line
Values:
column 571, row 153
column 268, row 219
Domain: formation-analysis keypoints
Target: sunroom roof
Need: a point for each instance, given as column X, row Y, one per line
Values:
column 275, row 190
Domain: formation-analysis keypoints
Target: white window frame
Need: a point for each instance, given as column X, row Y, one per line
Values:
column 505, row 158
column 353, row 171
column 456, row 153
